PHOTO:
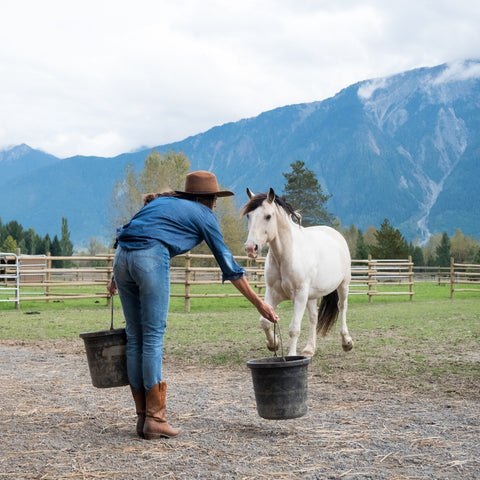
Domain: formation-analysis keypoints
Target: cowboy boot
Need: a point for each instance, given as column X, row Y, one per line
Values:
column 140, row 406
column 156, row 425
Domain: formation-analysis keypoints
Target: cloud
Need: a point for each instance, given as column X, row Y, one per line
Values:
column 101, row 78
column 458, row 71
column 367, row 89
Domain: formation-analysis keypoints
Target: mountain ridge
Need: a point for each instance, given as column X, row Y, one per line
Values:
column 403, row 147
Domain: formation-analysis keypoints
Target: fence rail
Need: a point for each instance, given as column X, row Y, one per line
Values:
column 464, row 277
column 19, row 274
column 368, row 275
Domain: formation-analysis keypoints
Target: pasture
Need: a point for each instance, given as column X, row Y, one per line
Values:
column 403, row 404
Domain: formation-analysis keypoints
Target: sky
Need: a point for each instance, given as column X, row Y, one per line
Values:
column 105, row 77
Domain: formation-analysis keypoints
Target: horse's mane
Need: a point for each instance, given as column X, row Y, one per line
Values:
column 259, row 198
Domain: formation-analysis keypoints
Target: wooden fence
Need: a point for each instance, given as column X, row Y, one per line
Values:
column 464, row 277
column 30, row 278
column 370, row 276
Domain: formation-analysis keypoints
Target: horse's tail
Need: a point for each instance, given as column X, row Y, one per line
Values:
column 327, row 313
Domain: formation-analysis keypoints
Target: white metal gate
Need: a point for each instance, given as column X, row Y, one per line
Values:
column 9, row 278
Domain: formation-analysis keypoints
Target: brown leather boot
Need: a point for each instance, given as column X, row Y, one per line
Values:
column 140, row 407
column 156, row 425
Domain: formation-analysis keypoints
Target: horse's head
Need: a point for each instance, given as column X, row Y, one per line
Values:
column 261, row 213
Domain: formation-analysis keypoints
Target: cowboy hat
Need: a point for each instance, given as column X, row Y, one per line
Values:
column 203, row 183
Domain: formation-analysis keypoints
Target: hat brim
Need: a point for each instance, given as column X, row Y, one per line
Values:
column 223, row 193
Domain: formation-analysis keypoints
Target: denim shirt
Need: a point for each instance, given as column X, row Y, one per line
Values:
column 179, row 224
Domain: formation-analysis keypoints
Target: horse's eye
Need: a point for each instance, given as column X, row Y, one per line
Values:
column 268, row 217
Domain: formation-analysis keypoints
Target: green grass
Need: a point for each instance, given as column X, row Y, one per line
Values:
column 420, row 340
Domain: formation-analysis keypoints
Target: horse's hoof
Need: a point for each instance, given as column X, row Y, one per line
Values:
column 347, row 347
column 275, row 347
column 308, row 353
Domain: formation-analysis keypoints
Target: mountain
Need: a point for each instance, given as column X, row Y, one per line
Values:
column 404, row 147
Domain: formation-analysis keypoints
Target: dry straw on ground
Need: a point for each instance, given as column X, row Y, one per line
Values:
column 56, row 425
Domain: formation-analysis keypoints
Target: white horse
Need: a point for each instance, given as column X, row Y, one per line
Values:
column 302, row 265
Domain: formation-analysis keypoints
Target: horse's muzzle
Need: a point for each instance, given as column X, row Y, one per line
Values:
column 252, row 250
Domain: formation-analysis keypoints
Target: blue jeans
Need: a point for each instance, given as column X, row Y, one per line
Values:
column 143, row 283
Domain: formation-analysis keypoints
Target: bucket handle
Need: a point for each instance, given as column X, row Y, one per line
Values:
column 111, row 312
column 275, row 326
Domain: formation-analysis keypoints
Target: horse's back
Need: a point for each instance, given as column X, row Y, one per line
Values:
column 327, row 239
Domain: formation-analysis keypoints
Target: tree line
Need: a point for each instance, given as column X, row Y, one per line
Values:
column 14, row 236
column 301, row 189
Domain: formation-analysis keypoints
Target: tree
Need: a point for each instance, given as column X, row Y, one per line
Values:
column 46, row 245
column 305, row 194
column 416, row 253
column 15, row 230
column 370, row 237
column 95, row 247
column 30, row 241
column 159, row 173
column 351, row 236
column 361, row 249
column 56, row 251
column 232, row 224
column 462, row 247
column 9, row 245
column 442, row 252
column 391, row 243
column 66, row 246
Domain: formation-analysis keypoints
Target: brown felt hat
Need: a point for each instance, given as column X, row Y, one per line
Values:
column 203, row 183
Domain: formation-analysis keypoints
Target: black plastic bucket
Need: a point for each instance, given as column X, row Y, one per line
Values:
column 280, row 386
column 107, row 357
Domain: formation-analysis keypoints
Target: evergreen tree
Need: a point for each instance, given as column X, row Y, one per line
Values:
column 416, row 253
column 361, row 249
column 476, row 256
column 390, row 243
column 66, row 246
column 442, row 252
column 56, row 251
column 30, row 241
column 305, row 194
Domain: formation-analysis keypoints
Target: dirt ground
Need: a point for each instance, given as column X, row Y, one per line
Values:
column 56, row 425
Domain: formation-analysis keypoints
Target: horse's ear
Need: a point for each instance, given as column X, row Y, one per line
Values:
column 250, row 193
column 271, row 195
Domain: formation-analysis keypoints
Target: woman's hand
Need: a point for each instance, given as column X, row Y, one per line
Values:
column 267, row 311
column 264, row 309
column 112, row 287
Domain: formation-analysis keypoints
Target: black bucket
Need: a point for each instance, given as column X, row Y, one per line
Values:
column 280, row 386
column 107, row 357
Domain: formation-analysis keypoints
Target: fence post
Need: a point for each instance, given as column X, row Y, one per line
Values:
column 187, row 281
column 369, row 278
column 410, row 276
column 109, row 274
column 452, row 277
column 48, row 276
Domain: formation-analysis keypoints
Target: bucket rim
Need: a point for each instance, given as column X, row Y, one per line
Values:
column 103, row 333
column 279, row 362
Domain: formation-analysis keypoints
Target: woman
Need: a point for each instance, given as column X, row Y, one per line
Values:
column 169, row 224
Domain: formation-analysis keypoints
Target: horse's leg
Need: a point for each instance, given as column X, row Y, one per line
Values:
column 299, row 304
column 311, row 345
column 272, row 341
column 347, row 342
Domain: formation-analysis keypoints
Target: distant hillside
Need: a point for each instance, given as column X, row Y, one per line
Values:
column 405, row 147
